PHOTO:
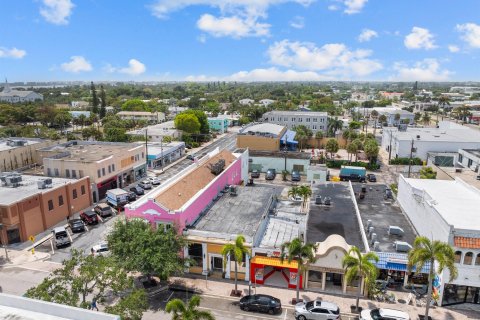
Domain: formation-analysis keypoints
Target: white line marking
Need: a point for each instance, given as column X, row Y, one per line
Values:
column 27, row 268
column 249, row 315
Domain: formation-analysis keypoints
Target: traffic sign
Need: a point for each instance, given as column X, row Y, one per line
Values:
column 31, row 238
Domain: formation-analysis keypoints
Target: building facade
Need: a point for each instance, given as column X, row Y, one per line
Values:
column 263, row 136
column 35, row 204
column 156, row 133
column 161, row 154
column 469, row 158
column 150, row 117
column 218, row 124
column 17, row 153
column 18, row 96
column 315, row 121
column 109, row 165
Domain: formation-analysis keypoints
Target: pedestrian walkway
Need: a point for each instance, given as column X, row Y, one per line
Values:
column 21, row 257
column 221, row 288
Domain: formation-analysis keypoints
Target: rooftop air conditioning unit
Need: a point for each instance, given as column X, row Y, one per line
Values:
column 401, row 246
column 376, row 245
column 396, row 231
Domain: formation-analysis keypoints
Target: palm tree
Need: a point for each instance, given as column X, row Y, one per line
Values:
column 293, row 192
column 333, row 126
column 305, row 192
column 302, row 253
column 426, row 118
column 442, row 101
column 426, row 251
column 352, row 149
column 236, row 250
column 397, row 118
column 358, row 265
column 382, row 119
column 319, row 137
column 81, row 119
column 187, row 312
column 374, row 115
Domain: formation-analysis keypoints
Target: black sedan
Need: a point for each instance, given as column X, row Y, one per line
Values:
column 137, row 190
column 371, row 177
column 261, row 303
column 131, row 196
column 255, row 174
column 76, row 225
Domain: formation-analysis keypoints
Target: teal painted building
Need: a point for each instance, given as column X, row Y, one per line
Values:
column 217, row 124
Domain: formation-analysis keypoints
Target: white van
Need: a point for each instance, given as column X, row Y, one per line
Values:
column 383, row 313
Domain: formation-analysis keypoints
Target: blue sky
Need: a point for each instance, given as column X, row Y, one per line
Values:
column 243, row 40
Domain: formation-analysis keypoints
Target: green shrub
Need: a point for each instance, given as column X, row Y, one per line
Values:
column 404, row 161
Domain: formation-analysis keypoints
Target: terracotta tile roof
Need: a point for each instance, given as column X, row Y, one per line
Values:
column 175, row 196
column 468, row 243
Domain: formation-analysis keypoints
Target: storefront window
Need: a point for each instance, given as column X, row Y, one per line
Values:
column 454, row 294
column 477, row 260
column 195, row 252
column 468, row 258
column 458, row 256
column 315, row 276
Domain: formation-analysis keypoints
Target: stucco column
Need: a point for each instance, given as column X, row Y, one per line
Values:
column 227, row 269
column 324, row 280
column 305, row 279
column 247, row 267
column 344, row 284
column 205, row 259
column 185, row 256
column 405, row 280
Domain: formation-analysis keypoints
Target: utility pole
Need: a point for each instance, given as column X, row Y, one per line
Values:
column 161, row 152
column 410, row 160
column 390, row 147
column 146, row 151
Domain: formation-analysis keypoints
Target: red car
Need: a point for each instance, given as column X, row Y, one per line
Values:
column 89, row 217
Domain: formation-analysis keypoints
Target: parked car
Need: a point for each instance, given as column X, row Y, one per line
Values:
column 76, row 225
column 270, row 175
column 100, row 249
column 137, row 190
column 154, row 181
column 89, row 217
column 296, row 176
column 145, row 184
column 316, row 310
column 255, row 174
column 61, row 237
column 261, row 303
column 371, row 177
column 388, row 194
column 190, row 157
column 132, row 196
column 103, row 210
column 383, row 313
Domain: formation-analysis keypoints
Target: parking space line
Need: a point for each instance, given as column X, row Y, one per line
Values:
column 249, row 315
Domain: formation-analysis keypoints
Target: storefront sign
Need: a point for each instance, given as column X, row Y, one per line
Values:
column 275, row 254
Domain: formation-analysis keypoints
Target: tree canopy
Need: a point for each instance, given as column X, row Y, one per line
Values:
column 188, row 123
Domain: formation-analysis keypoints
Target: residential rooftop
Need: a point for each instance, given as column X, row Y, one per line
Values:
column 87, row 151
column 338, row 218
column 12, row 143
column 382, row 214
column 262, row 129
column 299, row 113
column 242, row 213
column 456, row 201
column 137, row 113
column 157, row 129
column 447, row 132
column 175, row 195
column 27, row 188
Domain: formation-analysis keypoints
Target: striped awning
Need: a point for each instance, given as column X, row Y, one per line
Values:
column 396, row 262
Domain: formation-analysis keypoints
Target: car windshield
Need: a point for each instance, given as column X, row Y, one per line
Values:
column 61, row 234
column 77, row 223
column 309, row 305
column 375, row 314
column 91, row 213
column 335, row 311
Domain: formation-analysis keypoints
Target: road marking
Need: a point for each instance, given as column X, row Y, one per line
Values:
column 27, row 268
column 249, row 315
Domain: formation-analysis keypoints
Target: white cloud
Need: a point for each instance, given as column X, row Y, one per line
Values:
column 77, row 64
column 270, row 74
column 333, row 7
column 297, row 22
column 425, row 70
column 202, row 38
column 354, row 6
column 134, row 68
column 419, row 38
column 334, row 58
column 367, row 35
column 57, row 11
column 233, row 26
column 238, row 18
column 471, row 33
column 12, row 53
column 453, row 48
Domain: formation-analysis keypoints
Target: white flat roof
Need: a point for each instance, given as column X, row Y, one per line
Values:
column 29, row 142
column 456, row 201
column 265, row 128
column 464, row 134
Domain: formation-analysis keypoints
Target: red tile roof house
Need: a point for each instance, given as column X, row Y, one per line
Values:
column 180, row 200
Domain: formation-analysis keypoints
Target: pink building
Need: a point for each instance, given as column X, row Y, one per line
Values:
column 180, row 200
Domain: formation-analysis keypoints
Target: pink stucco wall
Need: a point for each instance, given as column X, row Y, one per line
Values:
column 232, row 175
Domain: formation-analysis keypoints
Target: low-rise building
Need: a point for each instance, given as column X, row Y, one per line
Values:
column 266, row 137
column 448, row 137
column 390, row 95
column 448, row 211
column 390, row 113
column 161, row 154
column 315, row 121
column 246, row 102
column 280, row 160
column 158, row 132
column 218, row 124
column 16, row 153
column 469, row 158
column 15, row 96
column 109, row 165
column 77, row 113
column 150, row 117
column 30, row 205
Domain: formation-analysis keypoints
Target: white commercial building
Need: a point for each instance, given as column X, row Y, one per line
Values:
column 152, row 117
column 15, row 96
column 315, row 121
column 448, row 211
column 157, row 132
column 469, row 159
column 448, row 137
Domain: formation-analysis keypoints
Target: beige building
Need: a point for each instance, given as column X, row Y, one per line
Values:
column 262, row 137
column 30, row 205
column 17, row 153
column 108, row 164
column 151, row 117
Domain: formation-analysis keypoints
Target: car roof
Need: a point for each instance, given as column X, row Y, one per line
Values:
column 75, row 221
column 102, row 205
column 100, row 245
column 90, row 213
column 59, row 229
column 326, row 305
column 384, row 312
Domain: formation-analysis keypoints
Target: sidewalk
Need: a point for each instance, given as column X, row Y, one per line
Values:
column 20, row 257
column 223, row 288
